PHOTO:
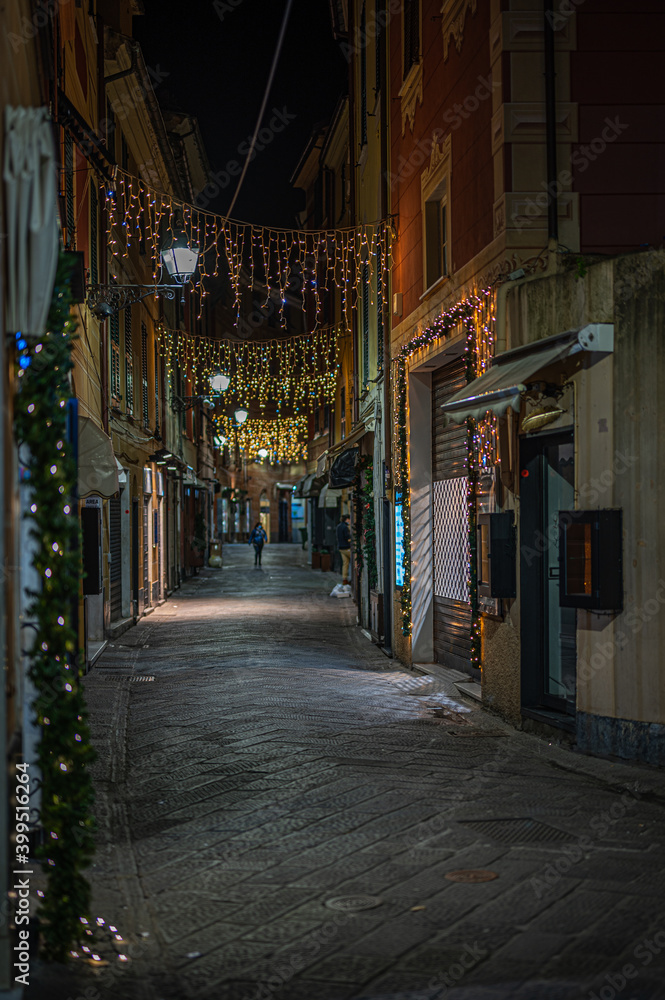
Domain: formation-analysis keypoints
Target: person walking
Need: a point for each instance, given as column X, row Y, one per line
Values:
column 344, row 546
column 257, row 538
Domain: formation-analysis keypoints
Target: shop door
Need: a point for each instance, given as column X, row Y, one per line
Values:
column 115, row 569
column 135, row 557
column 450, row 526
column 549, row 656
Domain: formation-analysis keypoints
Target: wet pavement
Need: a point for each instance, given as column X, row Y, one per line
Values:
column 280, row 807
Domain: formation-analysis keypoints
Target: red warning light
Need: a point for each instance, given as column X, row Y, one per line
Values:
column 525, row 473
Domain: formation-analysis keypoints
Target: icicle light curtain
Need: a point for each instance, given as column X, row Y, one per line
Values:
column 281, row 260
column 296, row 372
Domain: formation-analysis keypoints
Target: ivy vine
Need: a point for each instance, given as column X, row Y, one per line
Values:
column 55, row 666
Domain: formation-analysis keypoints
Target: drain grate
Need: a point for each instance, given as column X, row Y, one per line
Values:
column 142, row 677
column 350, row 904
column 520, row 830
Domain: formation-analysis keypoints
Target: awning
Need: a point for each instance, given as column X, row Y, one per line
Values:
column 97, row 466
column 329, row 497
column 343, row 469
column 502, row 386
column 302, row 487
column 31, row 224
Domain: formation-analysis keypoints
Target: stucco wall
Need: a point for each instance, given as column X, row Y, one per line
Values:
column 619, row 429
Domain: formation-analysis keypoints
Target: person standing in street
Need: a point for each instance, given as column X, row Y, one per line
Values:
column 258, row 538
column 344, row 546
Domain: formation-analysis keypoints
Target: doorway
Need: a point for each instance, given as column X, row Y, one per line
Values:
column 548, row 631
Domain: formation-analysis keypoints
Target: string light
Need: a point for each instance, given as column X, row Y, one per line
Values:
column 284, row 440
column 251, row 256
column 476, row 315
column 296, row 373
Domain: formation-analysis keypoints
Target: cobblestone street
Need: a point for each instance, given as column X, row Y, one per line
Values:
column 258, row 757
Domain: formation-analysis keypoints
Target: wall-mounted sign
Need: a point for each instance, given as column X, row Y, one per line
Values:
column 399, row 542
column 147, row 480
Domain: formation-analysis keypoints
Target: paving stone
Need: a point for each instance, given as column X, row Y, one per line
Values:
column 280, row 759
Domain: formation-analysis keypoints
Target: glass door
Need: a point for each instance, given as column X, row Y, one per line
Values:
column 548, row 632
column 560, row 624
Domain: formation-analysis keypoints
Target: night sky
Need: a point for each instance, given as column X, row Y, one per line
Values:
column 218, row 66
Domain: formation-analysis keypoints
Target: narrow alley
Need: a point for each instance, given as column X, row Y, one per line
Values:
column 281, row 808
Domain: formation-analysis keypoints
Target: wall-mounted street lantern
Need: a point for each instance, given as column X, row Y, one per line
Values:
column 219, row 382
column 179, row 259
column 241, row 415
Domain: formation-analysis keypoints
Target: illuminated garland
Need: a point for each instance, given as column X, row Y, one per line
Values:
column 301, row 262
column 476, row 315
column 64, row 752
column 298, row 372
column 285, row 439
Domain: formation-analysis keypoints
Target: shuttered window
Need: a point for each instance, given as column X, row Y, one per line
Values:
column 129, row 362
column 411, row 34
column 379, row 315
column 69, row 191
column 94, row 234
column 144, row 375
column 363, row 74
column 115, row 356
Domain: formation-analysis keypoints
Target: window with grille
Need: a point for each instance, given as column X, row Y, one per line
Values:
column 94, row 234
column 365, row 324
column 69, row 190
column 411, row 34
column 363, row 75
column 129, row 362
column 115, row 356
column 144, row 375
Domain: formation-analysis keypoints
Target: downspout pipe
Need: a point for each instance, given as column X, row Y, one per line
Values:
column 550, row 122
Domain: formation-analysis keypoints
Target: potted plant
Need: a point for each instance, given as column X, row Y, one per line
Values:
column 316, row 558
column 325, row 560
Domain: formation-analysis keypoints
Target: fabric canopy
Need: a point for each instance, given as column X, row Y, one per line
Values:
column 329, row 497
column 32, row 228
column 98, row 469
column 502, row 386
column 343, row 470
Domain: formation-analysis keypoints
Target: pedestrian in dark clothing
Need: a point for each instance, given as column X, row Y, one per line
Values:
column 344, row 545
column 258, row 538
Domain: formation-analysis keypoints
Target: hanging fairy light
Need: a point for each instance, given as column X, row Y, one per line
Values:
column 250, row 255
column 297, row 373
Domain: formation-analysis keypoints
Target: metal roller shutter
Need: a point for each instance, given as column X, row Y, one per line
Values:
column 450, row 528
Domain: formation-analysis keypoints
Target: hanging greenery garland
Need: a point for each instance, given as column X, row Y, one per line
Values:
column 65, row 753
column 368, row 535
column 476, row 315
